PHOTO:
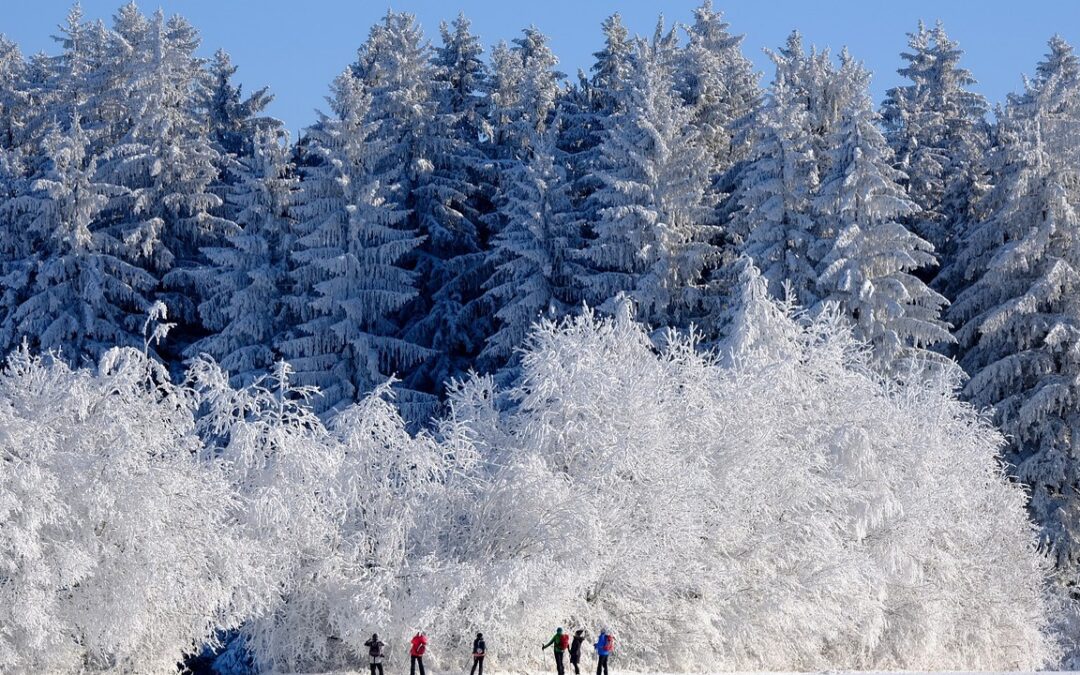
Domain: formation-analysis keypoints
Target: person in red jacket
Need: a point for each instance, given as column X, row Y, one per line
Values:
column 416, row 653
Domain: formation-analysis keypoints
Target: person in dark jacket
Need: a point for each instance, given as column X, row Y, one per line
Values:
column 575, row 650
column 478, row 651
column 560, row 641
column 375, row 653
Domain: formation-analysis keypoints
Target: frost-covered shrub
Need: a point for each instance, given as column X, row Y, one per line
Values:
column 118, row 549
column 779, row 508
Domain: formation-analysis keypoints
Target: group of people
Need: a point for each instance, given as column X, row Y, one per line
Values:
column 561, row 643
column 417, row 648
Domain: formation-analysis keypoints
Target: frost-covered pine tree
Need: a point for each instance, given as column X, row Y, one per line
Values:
column 582, row 110
column 938, row 132
column 425, row 174
column 14, row 97
column 459, row 64
column 650, row 241
column 167, row 165
column 248, row 278
column 775, row 218
column 721, row 87
column 612, row 66
column 84, row 297
column 234, row 119
column 535, row 274
column 347, row 275
column 522, row 92
column 1018, row 319
column 870, row 269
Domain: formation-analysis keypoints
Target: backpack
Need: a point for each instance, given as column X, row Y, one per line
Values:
column 564, row 641
column 609, row 643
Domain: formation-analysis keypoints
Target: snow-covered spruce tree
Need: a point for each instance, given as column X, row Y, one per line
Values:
column 581, row 112
column 783, row 504
column 168, row 165
column 521, row 94
column 1019, row 318
column 234, row 120
column 721, row 87
column 425, row 173
column 535, row 275
column 938, row 132
column 870, row 269
column 463, row 78
column 649, row 239
column 248, row 278
column 84, row 297
column 14, row 96
column 460, row 66
column 347, row 275
column 120, row 550
column 775, row 217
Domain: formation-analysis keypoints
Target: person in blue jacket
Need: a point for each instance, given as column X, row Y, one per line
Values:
column 605, row 644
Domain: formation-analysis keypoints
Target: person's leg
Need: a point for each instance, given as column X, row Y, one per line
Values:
column 420, row 660
column 481, row 660
column 412, row 666
column 475, row 662
column 605, row 665
column 379, row 666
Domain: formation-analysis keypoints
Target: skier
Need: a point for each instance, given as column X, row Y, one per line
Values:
column 605, row 644
column 416, row 653
column 560, row 641
column 375, row 653
column 478, row 651
column 575, row 650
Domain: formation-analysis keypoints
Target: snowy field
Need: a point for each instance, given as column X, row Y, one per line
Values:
column 830, row 672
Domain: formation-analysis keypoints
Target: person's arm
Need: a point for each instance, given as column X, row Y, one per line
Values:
column 549, row 642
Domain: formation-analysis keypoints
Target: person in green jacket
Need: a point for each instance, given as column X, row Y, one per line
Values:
column 560, row 641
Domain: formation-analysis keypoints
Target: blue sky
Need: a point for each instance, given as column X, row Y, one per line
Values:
column 297, row 47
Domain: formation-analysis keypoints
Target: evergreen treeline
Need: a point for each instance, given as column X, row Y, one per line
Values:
column 447, row 199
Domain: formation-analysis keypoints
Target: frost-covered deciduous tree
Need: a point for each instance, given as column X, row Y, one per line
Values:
column 1019, row 318
column 336, row 510
column 650, row 239
column 120, row 549
column 248, row 279
column 938, row 132
column 782, row 503
column 870, row 269
column 348, row 279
